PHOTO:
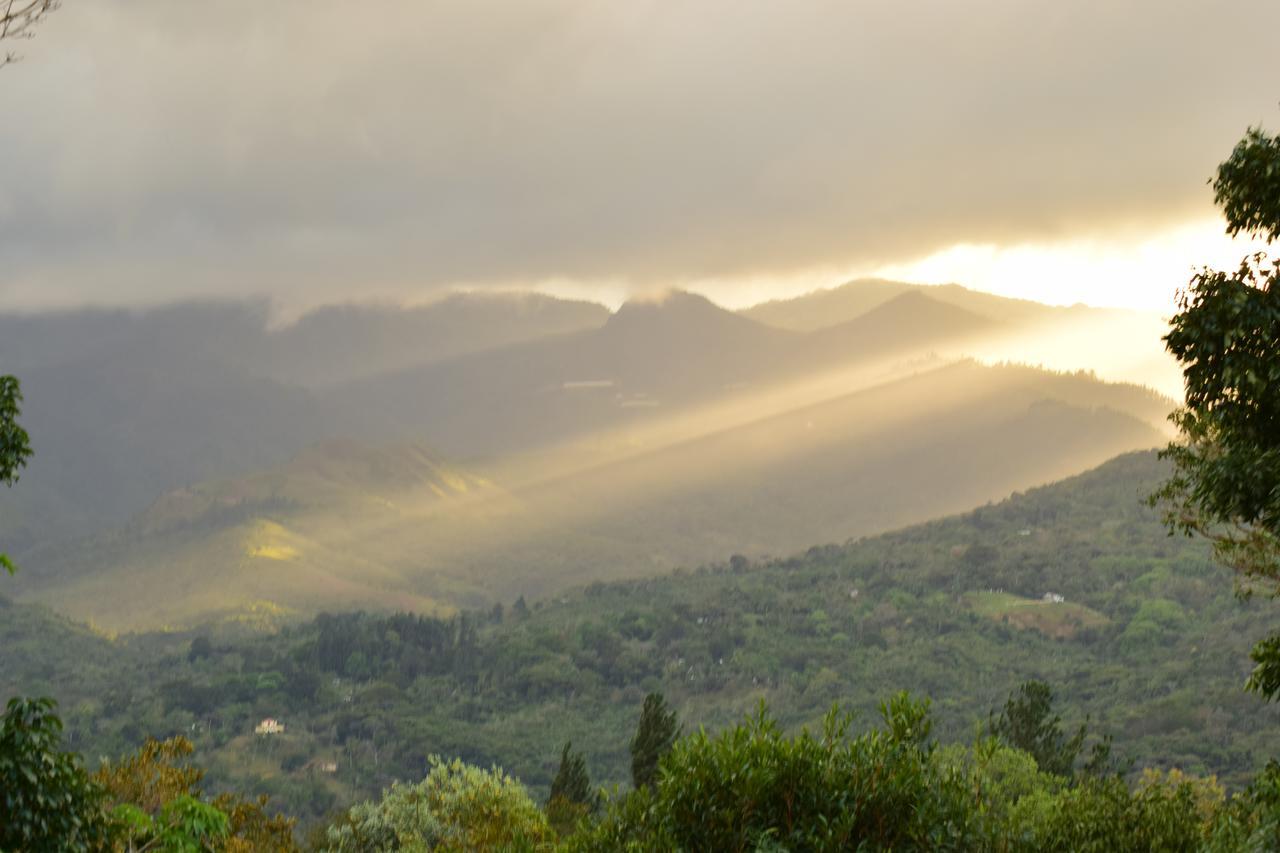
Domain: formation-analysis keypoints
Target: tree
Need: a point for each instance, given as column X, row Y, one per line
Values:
column 655, row 735
column 47, row 800
column 184, row 824
column 1029, row 724
column 570, row 800
column 159, row 804
column 15, row 444
column 571, row 784
column 751, row 787
column 18, row 19
column 1226, row 462
column 457, row 807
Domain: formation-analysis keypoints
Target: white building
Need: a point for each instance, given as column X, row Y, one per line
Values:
column 269, row 726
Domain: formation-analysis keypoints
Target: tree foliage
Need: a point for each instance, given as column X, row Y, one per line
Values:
column 1226, row 336
column 752, row 787
column 183, row 825
column 15, row 444
column 571, row 782
column 1028, row 723
column 47, row 800
column 655, row 734
column 571, row 799
column 158, row 804
column 456, row 807
column 1247, row 186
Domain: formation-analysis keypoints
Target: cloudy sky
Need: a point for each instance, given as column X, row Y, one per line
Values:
column 311, row 150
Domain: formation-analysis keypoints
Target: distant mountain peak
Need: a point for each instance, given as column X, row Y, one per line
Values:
column 919, row 306
column 666, row 302
column 677, row 311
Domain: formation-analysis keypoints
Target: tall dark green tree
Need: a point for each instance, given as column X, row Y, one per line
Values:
column 15, row 444
column 1028, row 723
column 655, row 735
column 1226, row 335
column 571, row 784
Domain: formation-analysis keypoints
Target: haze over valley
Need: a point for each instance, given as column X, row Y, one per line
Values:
column 198, row 461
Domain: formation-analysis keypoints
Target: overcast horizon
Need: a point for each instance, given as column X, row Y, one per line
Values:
column 309, row 154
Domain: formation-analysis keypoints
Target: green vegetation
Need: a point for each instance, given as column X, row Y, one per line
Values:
column 753, row 787
column 46, row 797
column 367, row 698
column 15, row 444
column 656, row 733
column 148, row 801
column 1029, row 724
column 749, row 786
column 1226, row 336
column 571, row 782
column 455, row 808
column 1059, row 619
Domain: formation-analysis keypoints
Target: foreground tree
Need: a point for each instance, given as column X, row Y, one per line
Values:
column 1226, row 335
column 752, row 787
column 47, row 800
column 15, row 444
column 1029, row 724
column 655, row 735
column 570, row 799
column 158, row 804
column 571, row 783
column 457, row 807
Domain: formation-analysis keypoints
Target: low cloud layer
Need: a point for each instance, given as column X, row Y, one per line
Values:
column 314, row 150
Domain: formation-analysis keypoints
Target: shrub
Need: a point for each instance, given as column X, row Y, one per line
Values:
column 456, row 807
column 750, row 787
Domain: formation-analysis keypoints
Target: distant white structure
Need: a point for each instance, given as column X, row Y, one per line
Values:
column 269, row 726
column 1053, row 598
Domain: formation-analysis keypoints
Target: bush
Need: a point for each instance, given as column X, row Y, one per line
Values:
column 1102, row 814
column 750, row 787
column 456, row 807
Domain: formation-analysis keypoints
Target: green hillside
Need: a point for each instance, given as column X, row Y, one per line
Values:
column 1148, row 641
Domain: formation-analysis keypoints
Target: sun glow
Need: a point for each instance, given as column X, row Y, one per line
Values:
column 1139, row 271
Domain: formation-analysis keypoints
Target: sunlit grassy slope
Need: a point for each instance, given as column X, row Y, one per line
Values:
column 345, row 525
column 1053, row 618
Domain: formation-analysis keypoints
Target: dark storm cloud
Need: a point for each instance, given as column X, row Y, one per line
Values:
column 305, row 149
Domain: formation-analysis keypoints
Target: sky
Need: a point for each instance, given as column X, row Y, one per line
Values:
column 312, row 151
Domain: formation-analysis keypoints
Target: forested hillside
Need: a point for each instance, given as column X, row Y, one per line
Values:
column 1147, row 641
